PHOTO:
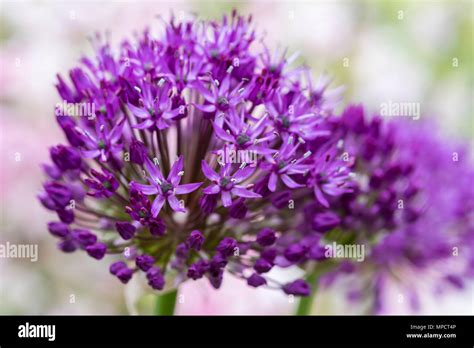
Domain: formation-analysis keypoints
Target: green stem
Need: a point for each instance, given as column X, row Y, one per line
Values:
column 165, row 304
column 305, row 303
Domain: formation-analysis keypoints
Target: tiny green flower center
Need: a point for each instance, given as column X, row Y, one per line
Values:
column 166, row 187
column 101, row 144
column 224, row 181
column 322, row 177
column 242, row 139
column 147, row 66
column 223, row 103
column 285, row 122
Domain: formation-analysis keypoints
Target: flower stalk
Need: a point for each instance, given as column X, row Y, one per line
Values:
column 305, row 304
column 166, row 303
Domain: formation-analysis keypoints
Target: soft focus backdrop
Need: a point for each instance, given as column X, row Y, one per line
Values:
column 419, row 51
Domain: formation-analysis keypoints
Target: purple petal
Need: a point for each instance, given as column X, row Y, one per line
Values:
column 243, row 174
column 272, row 181
column 226, row 199
column 144, row 125
column 175, row 204
column 222, row 134
column 91, row 153
column 205, row 108
column 243, row 192
column 173, row 176
column 116, row 132
column 153, row 170
column 290, row 182
column 208, row 172
column 203, row 91
column 138, row 112
column 187, row 188
column 171, row 114
column 320, row 197
column 212, row 190
column 161, row 124
column 145, row 189
column 157, row 205
column 224, row 88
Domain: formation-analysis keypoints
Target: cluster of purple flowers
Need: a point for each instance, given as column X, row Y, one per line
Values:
column 143, row 180
column 412, row 208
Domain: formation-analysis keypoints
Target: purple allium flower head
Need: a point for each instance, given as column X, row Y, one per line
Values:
column 210, row 155
column 402, row 199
